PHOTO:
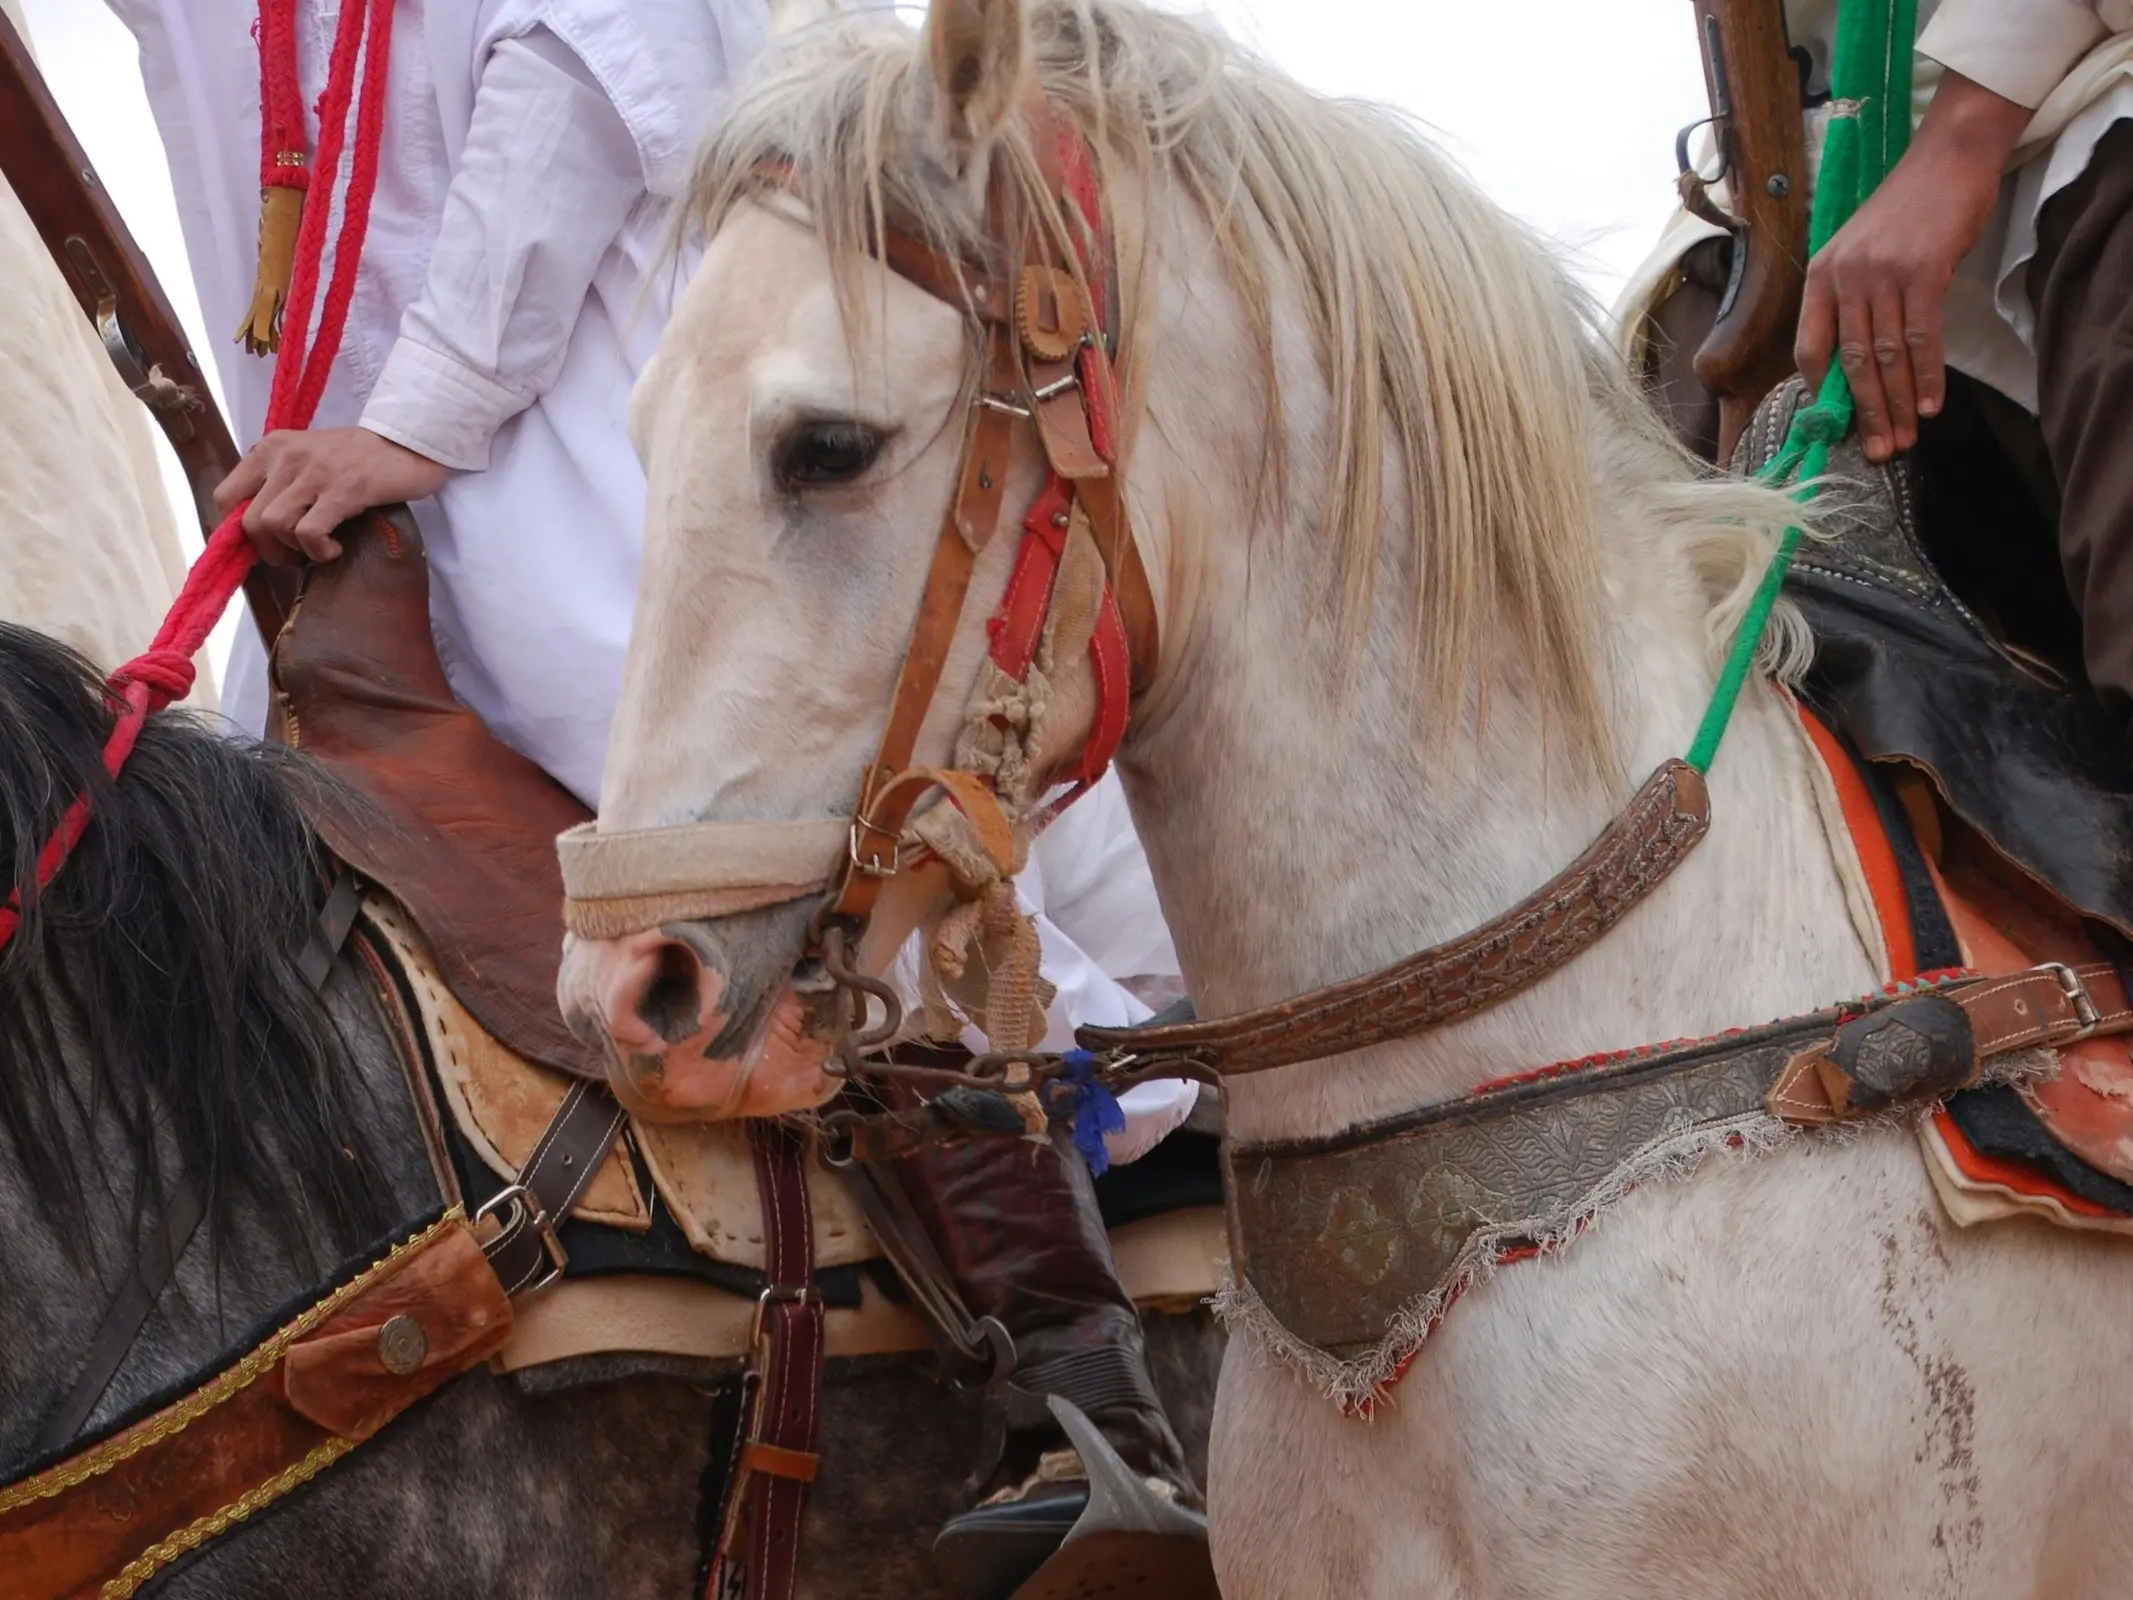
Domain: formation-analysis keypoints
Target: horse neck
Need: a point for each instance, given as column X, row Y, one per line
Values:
column 1301, row 831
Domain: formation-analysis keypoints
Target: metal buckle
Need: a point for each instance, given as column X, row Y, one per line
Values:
column 865, row 865
column 2077, row 995
column 526, row 1212
column 778, row 1294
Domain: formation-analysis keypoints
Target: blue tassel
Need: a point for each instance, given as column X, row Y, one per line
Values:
column 1096, row 1110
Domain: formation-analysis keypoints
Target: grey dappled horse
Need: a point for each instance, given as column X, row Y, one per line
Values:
column 152, row 1022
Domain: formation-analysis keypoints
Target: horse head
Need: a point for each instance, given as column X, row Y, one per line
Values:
column 802, row 427
column 1355, row 428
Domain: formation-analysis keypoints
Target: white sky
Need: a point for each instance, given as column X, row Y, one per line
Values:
column 1563, row 110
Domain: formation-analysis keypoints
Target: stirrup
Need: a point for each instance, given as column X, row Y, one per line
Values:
column 1123, row 1539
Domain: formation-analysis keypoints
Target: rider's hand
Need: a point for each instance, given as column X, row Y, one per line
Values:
column 303, row 485
column 1875, row 291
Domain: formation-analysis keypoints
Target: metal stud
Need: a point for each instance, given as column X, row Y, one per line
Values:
column 402, row 1344
column 1779, row 186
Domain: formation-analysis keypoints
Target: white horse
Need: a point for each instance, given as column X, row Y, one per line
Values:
column 1431, row 593
column 89, row 546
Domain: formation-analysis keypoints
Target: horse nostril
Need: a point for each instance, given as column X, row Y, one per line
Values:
column 671, row 1005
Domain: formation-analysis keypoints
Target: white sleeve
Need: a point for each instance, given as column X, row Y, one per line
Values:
column 2018, row 49
column 548, row 177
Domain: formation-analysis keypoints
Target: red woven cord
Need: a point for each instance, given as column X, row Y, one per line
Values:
column 164, row 672
column 1017, row 627
column 282, row 145
column 355, row 218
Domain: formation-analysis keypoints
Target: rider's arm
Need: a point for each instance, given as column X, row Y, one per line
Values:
column 1875, row 292
column 548, row 176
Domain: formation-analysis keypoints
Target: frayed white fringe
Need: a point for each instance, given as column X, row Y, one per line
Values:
column 1358, row 1383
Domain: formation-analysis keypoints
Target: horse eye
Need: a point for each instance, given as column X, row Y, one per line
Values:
column 821, row 454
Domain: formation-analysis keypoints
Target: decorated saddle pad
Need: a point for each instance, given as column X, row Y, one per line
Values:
column 666, row 1243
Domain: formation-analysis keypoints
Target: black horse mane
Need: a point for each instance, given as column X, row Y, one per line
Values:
column 165, row 949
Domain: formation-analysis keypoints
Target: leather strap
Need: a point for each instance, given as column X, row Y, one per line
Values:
column 2038, row 1008
column 121, row 1325
column 778, row 1461
column 1440, row 985
column 108, row 1519
column 972, row 514
column 2046, row 1006
column 1490, row 1174
column 524, row 1250
column 160, row 1251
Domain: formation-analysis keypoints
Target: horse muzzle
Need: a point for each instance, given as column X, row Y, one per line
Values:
column 690, row 1035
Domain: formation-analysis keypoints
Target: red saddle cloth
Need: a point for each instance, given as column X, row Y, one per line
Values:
column 430, row 805
column 2088, row 1107
column 2003, row 921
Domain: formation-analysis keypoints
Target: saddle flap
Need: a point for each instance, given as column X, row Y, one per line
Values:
column 501, row 1103
column 2088, row 1106
column 426, row 801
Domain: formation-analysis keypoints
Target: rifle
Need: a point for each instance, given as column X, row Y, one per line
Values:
column 1755, row 88
column 72, row 211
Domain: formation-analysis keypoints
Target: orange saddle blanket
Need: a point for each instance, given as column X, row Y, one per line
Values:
column 2058, row 1147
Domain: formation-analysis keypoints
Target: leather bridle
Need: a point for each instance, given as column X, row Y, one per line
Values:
column 1046, row 308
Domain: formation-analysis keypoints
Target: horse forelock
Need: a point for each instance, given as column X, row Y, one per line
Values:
column 151, row 992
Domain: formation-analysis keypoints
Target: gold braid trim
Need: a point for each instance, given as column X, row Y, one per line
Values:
column 182, row 1414
column 216, row 1523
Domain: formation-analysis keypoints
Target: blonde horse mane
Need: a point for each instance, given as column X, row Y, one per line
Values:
column 1447, row 334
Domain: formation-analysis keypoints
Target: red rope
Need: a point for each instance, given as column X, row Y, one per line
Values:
column 164, row 672
column 282, row 147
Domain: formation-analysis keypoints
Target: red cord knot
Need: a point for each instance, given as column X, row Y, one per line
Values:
column 166, row 674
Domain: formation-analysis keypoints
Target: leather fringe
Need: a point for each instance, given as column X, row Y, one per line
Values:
column 281, row 212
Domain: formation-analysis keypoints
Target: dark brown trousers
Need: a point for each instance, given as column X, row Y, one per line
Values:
column 2081, row 284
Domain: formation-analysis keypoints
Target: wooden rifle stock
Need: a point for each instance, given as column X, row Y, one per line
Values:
column 73, row 213
column 1754, row 85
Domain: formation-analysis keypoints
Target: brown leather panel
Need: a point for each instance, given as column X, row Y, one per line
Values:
column 1565, row 916
column 238, row 1442
column 457, row 825
column 340, row 1377
column 73, row 1542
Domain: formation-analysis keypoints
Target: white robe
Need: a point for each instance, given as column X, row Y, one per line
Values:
column 533, row 560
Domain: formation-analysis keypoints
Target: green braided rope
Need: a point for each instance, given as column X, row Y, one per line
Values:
column 1868, row 131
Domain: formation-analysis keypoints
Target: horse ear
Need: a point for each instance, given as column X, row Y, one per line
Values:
column 980, row 56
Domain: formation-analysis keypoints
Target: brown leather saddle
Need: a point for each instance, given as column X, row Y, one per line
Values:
column 423, row 800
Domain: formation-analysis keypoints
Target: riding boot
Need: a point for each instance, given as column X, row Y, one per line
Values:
column 1015, row 1225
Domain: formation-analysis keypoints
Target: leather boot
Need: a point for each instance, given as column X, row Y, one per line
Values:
column 1016, row 1226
